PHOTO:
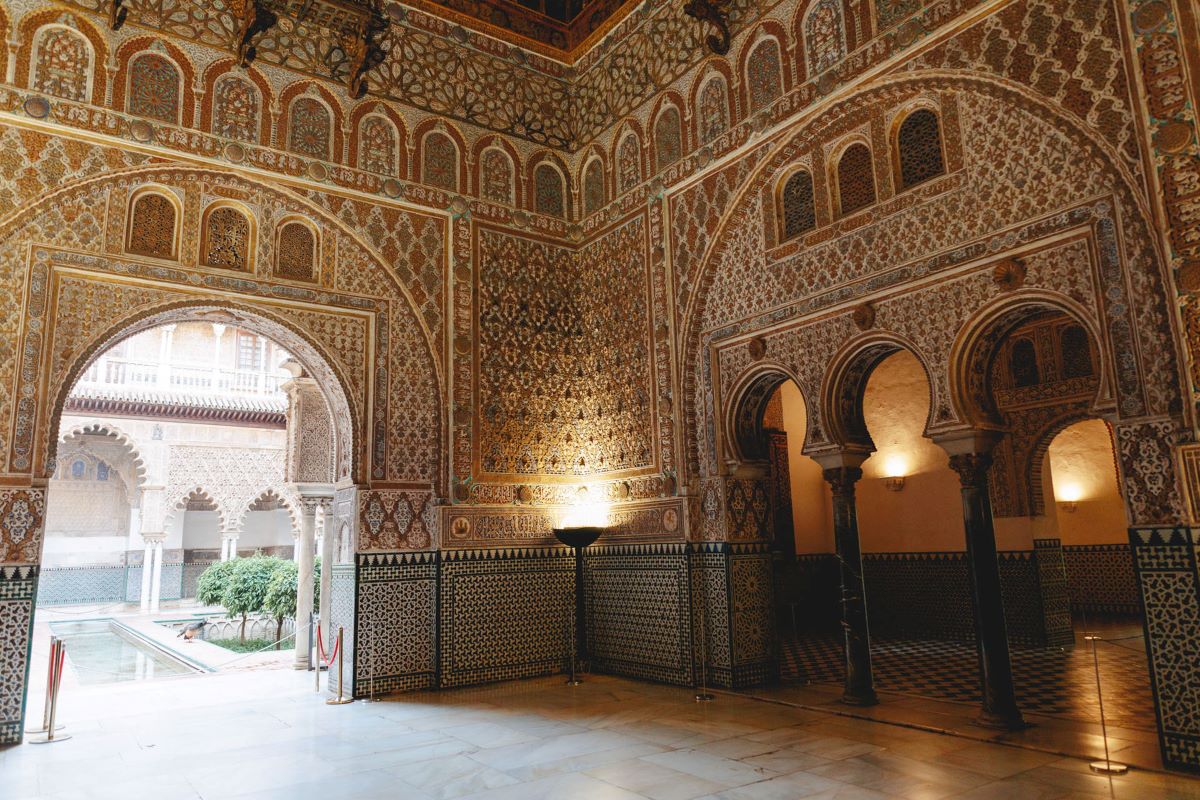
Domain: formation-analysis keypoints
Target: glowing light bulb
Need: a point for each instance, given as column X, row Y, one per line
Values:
column 1070, row 492
column 895, row 466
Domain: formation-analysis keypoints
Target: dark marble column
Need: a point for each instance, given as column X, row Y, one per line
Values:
column 991, row 632
column 860, row 684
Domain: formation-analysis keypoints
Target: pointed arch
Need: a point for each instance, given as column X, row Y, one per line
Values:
column 154, row 222
column 629, row 164
column 670, row 140
column 315, row 92
column 549, row 188
column 148, row 100
column 366, row 140
column 440, row 155
column 106, row 428
column 594, row 182
column 497, row 171
column 713, row 107
column 237, row 102
column 228, row 236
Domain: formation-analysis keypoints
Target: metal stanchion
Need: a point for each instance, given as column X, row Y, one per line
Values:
column 54, row 643
column 341, row 657
column 573, row 680
column 702, row 693
column 56, row 684
column 1107, row 766
column 320, row 648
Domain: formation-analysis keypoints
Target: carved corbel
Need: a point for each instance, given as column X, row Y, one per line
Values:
column 117, row 12
column 365, row 53
column 711, row 11
column 254, row 20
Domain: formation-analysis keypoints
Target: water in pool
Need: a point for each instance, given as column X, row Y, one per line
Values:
column 98, row 653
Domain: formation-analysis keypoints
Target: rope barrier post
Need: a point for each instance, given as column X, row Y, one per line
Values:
column 1107, row 766
column 341, row 656
column 320, row 658
column 56, row 684
column 54, row 642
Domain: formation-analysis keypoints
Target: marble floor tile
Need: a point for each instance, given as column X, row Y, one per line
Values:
column 250, row 737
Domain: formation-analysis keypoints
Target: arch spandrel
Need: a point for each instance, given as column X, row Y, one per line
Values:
column 387, row 329
column 1082, row 188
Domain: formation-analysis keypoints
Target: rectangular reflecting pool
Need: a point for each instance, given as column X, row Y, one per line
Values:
column 100, row 651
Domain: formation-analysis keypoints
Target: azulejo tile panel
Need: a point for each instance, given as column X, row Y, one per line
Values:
column 638, row 607
column 1169, row 583
column 1100, row 578
column 17, row 589
column 505, row 613
column 341, row 616
column 396, row 622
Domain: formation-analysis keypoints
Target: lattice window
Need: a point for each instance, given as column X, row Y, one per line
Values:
column 439, row 165
column 824, row 35
column 668, row 138
column 919, row 142
column 101, row 471
column 155, row 88
column 251, row 351
column 714, row 110
column 855, row 179
column 236, row 109
column 377, row 145
column 799, row 207
column 152, row 223
column 629, row 163
column 310, row 128
column 62, row 65
column 593, row 187
column 296, row 252
column 226, row 239
column 1023, row 365
column 763, row 74
column 496, row 176
column 1076, row 352
column 548, row 191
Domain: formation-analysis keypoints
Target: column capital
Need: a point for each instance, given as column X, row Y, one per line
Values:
column 154, row 538
column 968, row 440
column 842, row 479
column 971, row 467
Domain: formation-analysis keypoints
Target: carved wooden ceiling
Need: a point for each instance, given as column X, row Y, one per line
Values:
column 563, row 29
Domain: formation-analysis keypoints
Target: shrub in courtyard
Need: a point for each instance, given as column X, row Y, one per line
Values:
column 246, row 590
column 280, row 601
column 210, row 586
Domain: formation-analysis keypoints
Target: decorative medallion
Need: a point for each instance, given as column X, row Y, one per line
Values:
column 863, row 316
column 141, row 130
column 670, row 520
column 317, row 171
column 462, row 271
column 37, row 107
column 1174, row 137
column 757, row 347
column 624, row 490
column 520, row 219
column 909, row 32
column 1188, row 276
column 1150, row 16
column 458, row 205
column 1009, row 274
column 234, row 152
column 393, row 188
column 664, row 406
column 460, row 528
column 462, row 344
column 826, row 83
column 462, row 416
column 462, row 492
column 525, row 493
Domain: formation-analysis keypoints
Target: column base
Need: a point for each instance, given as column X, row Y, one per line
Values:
column 1012, row 721
column 861, row 699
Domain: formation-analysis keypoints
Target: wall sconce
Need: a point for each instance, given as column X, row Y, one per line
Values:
column 1069, row 497
column 894, row 468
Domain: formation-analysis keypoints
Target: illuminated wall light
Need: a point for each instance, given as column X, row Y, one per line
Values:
column 1069, row 495
column 895, row 467
column 585, row 512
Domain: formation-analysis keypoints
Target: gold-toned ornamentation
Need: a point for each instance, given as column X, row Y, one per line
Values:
column 1009, row 274
column 863, row 316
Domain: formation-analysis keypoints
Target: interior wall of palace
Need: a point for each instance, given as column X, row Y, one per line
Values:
column 522, row 287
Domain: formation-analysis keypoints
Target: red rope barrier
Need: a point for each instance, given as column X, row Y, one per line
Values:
column 328, row 661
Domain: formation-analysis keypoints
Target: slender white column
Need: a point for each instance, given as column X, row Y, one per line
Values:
column 326, row 576
column 233, row 539
column 218, row 330
column 164, row 356
column 147, row 569
column 156, row 578
column 304, row 589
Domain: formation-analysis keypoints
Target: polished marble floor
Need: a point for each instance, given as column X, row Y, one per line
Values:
column 1050, row 681
column 265, row 734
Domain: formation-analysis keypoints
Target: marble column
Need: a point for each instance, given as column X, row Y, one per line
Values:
column 991, row 631
column 326, row 576
column 156, row 576
column 859, row 688
column 147, row 571
column 304, row 588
